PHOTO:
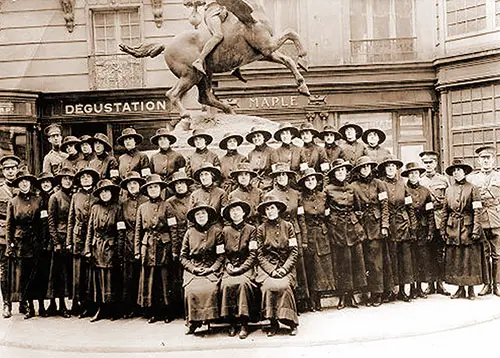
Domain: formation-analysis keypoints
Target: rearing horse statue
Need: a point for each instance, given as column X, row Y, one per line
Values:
column 243, row 43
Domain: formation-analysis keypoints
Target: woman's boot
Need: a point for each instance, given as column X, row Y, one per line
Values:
column 470, row 293
column 63, row 311
column 341, row 305
column 460, row 293
column 351, row 301
column 402, row 296
column 42, row 312
column 30, row 310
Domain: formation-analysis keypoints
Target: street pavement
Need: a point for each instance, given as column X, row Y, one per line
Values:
column 424, row 325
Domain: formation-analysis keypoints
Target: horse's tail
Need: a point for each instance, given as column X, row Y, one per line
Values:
column 143, row 50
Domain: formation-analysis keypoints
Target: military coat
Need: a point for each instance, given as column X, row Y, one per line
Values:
column 287, row 153
column 132, row 161
column 352, row 151
column 58, row 211
column 199, row 158
column 424, row 211
column 52, row 162
column 167, row 162
column 106, row 165
column 130, row 205
column 78, row 218
column 489, row 189
column 6, row 193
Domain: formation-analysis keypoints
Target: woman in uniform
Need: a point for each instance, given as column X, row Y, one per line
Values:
column 245, row 191
column 167, row 160
column 154, row 246
column 287, row 152
column 130, row 202
column 373, row 138
column 238, row 287
column 346, row 233
column 104, row 243
column 461, row 229
column 104, row 162
column 311, row 154
column 230, row 143
column 60, row 267
column 260, row 156
column 71, row 146
column 132, row 160
column 277, row 256
column 330, row 136
column 201, row 257
column 315, row 241
column 200, row 140
column 209, row 193
column 22, row 226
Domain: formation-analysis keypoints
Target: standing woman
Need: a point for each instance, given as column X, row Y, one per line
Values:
column 104, row 243
column 209, row 193
column 346, row 233
column 246, row 191
column 370, row 195
column 201, row 256
column 260, row 156
column 277, row 255
column 130, row 202
column 60, row 267
column 21, row 233
column 465, row 264
column 424, row 254
column 238, row 287
column 200, row 140
column 132, row 160
column 153, row 245
column 230, row 143
column 166, row 161
column 104, row 162
column 315, row 241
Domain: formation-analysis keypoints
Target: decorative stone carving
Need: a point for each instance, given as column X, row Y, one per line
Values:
column 115, row 71
column 324, row 116
column 157, row 12
column 68, row 8
column 317, row 100
column 233, row 102
column 310, row 116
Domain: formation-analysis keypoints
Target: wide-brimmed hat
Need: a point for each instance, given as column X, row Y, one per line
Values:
column 23, row 174
column 132, row 176
column 308, row 127
column 270, row 199
column 232, row 203
column 227, row 136
column 178, row 176
column 285, row 126
column 86, row 139
column 429, row 154
column 339, row 163
column 457, row 163
column 389, row 160
column 279, row 168
column 10, row 161
column 243, row 168
column 310, row 172
column 163, row 132
column 358, row 129
column 207, row 167
column 486, row 149
column 68, row 140
column 153, row 179
column 381, row 135
column 52, row 129
column 411, row 166
column 104, row 140
column 212, row 213
column 93, row 173
column 106, row 184
column 258, row 129
column 65, row 172
column 362, row 161
column 130, row 132
column 329, row 129
column 46, row 176
column 199, row 133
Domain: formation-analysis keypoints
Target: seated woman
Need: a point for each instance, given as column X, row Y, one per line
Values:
column 277, row 255
column 240, row 255
column 201, row 259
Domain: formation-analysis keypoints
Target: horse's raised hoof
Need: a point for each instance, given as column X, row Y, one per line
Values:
column 304, row 90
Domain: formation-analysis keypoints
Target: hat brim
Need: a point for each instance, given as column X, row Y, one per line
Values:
column 399, row 164
column 234, row 174
column 95, row 175
column 319, row 178
column 294, row 131
column 39, row 181
column 262, row 206
column 125, row 181
column 223, row 142
column 381, row 135
column 138, row 138
column 144, row 187
column 466, row 167
column 322, row 134
column 358, row 167
column 215, row 173
column 11, row 158
column 188, row 181
column 289, row 172
column 58, row 177
column 104, row 143
column 267, row 135
column 208, row 139
column 314, row 132
column 29, row 177
column 114, row 189
column 212, row 213
column 348, row 166
column 154, row 139
column 406, row 172
column 225, row 212
column 72, row 142
column 359, row 130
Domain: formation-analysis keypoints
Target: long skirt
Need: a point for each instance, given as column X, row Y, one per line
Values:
column 130, row 279
column 104, row 280
column 402, row 262
column 465, row 265
column 278, row 301
column 176, row 292
column 153, row 287
column 83, row 289
column 59, row 276
column 238, row 296
column 201, row 299
column 425, row 262
column 378, row 266
column 21, row 279
column 349, row 268
column 42, row 266
column 4, row 274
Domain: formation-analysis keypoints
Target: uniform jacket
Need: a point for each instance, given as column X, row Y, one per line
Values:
column 370, row 197
column 78, row 218
column 132, row 161
column 260, row 161
column 228, row 162
column 424, row 211
column 166, row 162
column 287, row 153
column 196, row 160
column 23, row 225
column 6, row 193
column 152, row 239
column 212, row 196
column 292, row 199
column 250, row 195
column 489, row 189
column 104, row 164
column 58, row 212
column 130, row 205
column 45, row 242
column 352, row 151
column 52, row 161
column 104, row 236
column 333, row 151
column 72, row 161
column 312, row 220
column 84, row 161
column 437, row 185
column 461, row 214
column 378, row 154
column 313, row 155
column 237, row 248
column 177, row 206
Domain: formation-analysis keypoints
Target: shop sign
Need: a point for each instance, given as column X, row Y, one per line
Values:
column 116, row 107
column 6, row 108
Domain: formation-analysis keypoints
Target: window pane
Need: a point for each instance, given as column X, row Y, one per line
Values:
column 358, row 19
column 13, row 141
column 404, row 18
column 381, row 19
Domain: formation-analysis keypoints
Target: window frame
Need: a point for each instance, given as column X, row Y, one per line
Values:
column 490, row 21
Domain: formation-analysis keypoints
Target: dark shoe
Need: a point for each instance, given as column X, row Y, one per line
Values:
column 389, row 296
column 97, row 317
column 486, row 290
column 459, row 294
column 243, row 332
column 431, row 289
column 470, row 293
column 192, row 328
column 351, row 301
column 23, row 307
column 365, row 300
column 51, row 310
column 402, row 296
column 419, row 292
column 340, row 305
column 64, row 313
column 232, row 331
column 153, row 319
column 413, row 293
column 7, row 310
column 293, row 331
column 441, row 290
column 42, row 312
column 85, row 313
column 496, row 289
column 75, row 309
column 29, row 313
column 273, row 329
column 376, row 299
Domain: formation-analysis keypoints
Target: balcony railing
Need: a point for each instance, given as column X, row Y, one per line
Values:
column 115, row 71
column 384, row 50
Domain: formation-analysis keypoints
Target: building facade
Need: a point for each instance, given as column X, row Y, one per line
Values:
column 425, row 71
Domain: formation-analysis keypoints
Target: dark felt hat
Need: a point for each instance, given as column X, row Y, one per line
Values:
column 258, row 129
column 130, row 132
column 286, row 126
column 106, row 184
column 178, row 176
column 212, row 213
column 24, row 175
column 104, row 140
column 86, row 139
column 358, row 129
column 227, row 136
column 207, row 167
column 153, row 179
column 46, row 176
column 411, row 166
column 389, row 160
column 308, row 127
column 279, row 168
column 339, row 163
column 232, row 203
column 270, row 199
column 329, row 129
column 364, row 160
column 457, row 163
column 68, row 140
column 163, row 132
column 132, row 176
column 65, row 172
column 93, row 173
column 381, row 135
column 199, row 133
column 243, row 168
column 309, row 172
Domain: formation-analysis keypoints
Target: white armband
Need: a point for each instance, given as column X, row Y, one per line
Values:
column 324, row 167
column 252, row 245
column 219, row 249
column 327, row 211
column 477, row 205
column 120, row 225
column 408, row 200
column 145, row 172
column 303, row 166
column 292, row 242
column 171, row 221
column 429, row 206
column 43, row 214
column 382, row 196
column 300, row 210
column 113, row 173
